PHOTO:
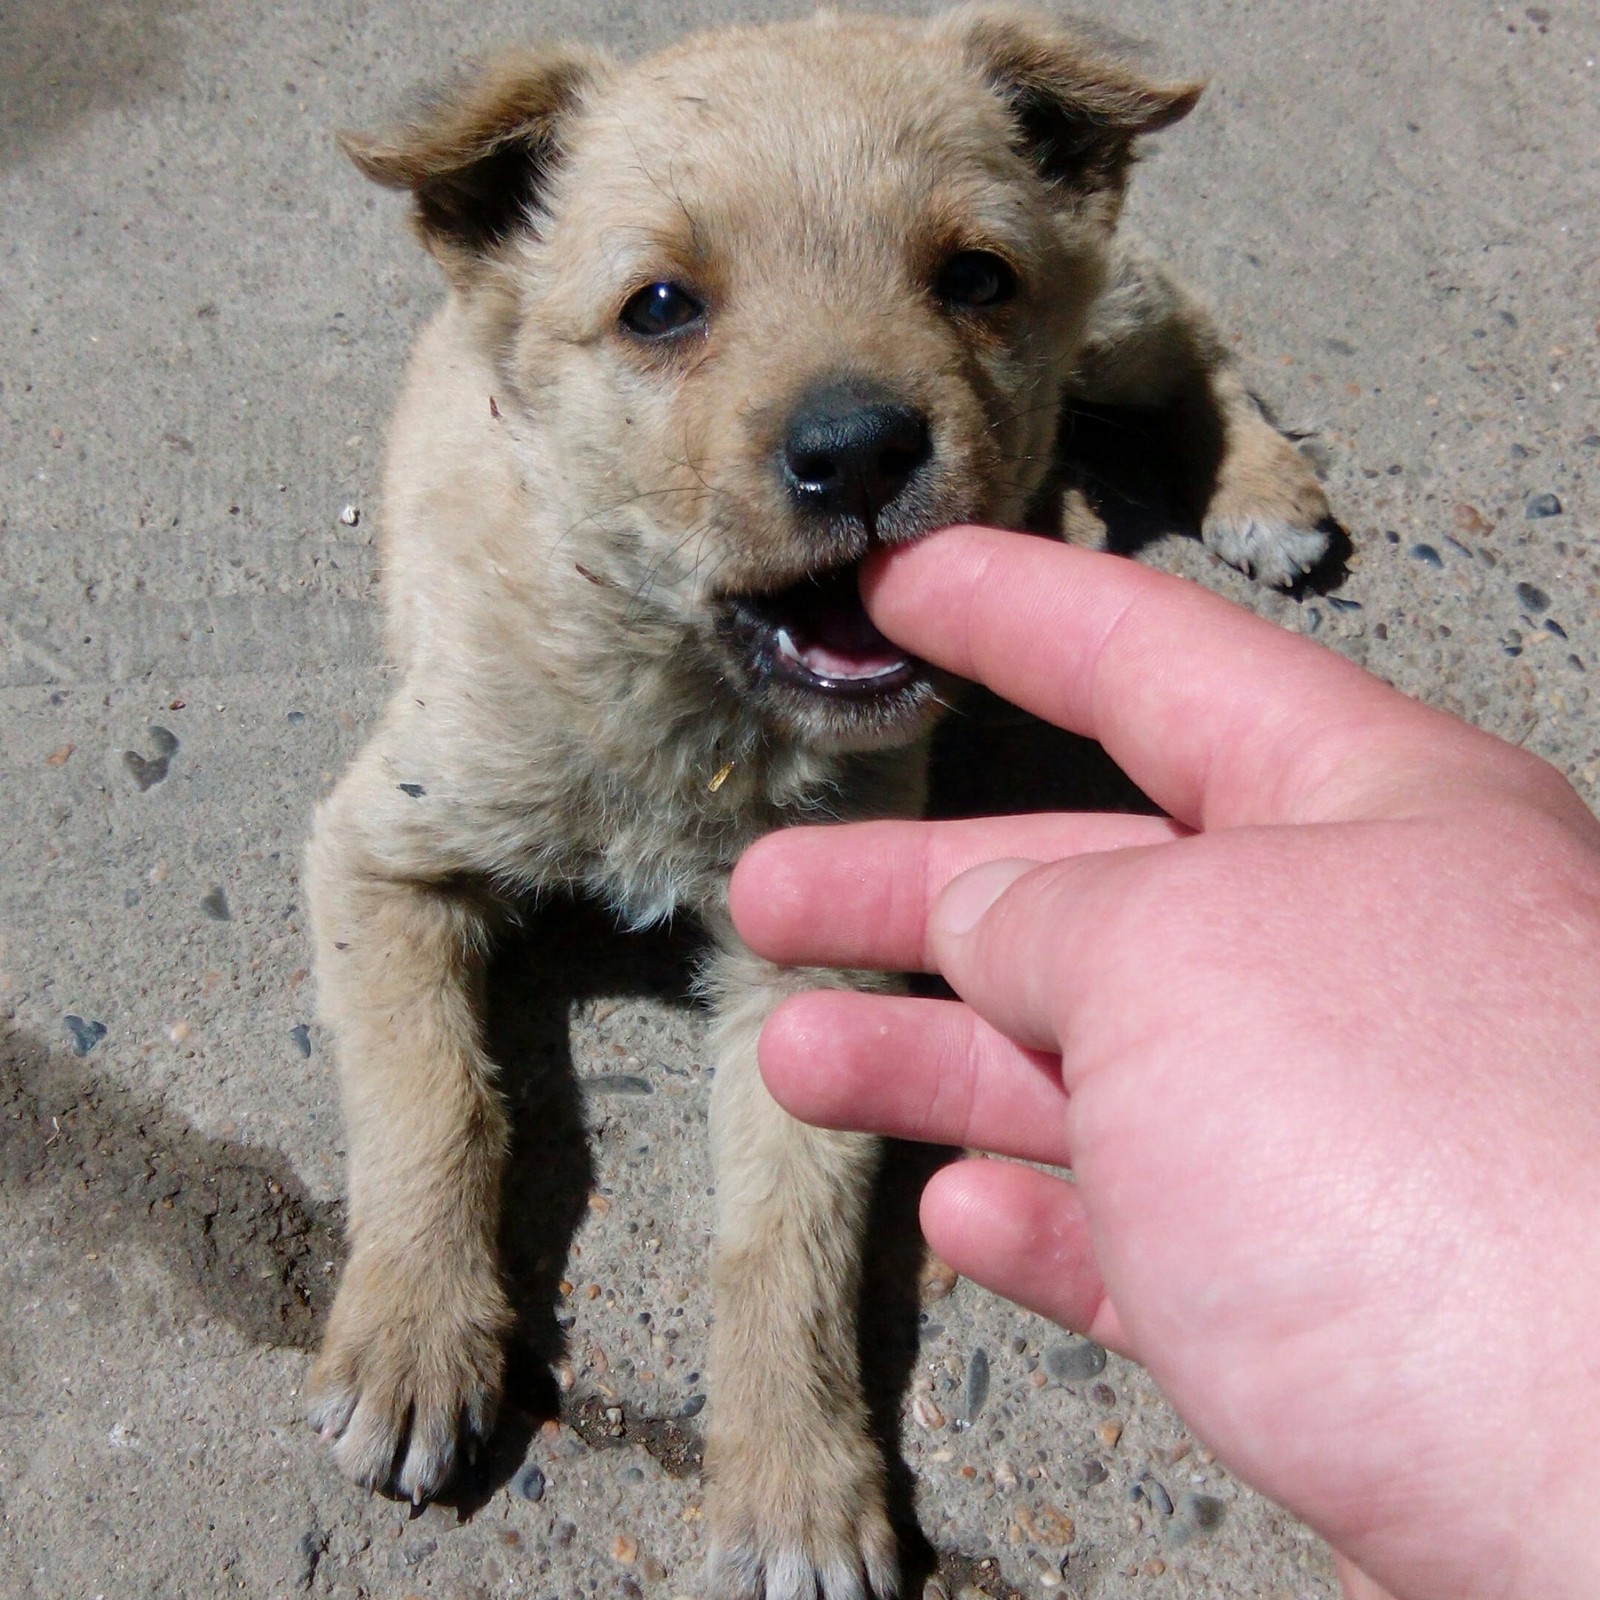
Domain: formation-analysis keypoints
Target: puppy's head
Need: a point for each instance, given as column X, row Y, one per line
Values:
column 772, row 298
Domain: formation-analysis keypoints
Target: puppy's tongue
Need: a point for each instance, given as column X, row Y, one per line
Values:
column 826, row 630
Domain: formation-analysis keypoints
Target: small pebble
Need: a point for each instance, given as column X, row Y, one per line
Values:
column 620, row 1083
column 1110, row 1433
column 147, row 773
column 1073, row 1363
column 350, row 516
column 1156, row 1495
column 938, row 1280
column 215, row 905
column 1094, row 1472
column 529, row 1483
column 693, row 1406
column 1542, row 505
column 1339, row 603
column 1103, row 1395
column 1154, row 1567
column 85, row 1035
column 1197, row 1516
column 1532, row 597
column 926, row 1413
column 1590, row 441
column 625, row 1548
column 301, row 1035
column 418, row 1551
column 295, row 719
column 1426, row 554
column 1205, row 1511
column 415, row 790
column 1552, row 626
column 651, row 1570
column 977, row 1382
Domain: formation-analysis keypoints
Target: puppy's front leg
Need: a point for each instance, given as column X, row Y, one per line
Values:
column 796, row 1497
column 1152, row 344
column 411, row 1365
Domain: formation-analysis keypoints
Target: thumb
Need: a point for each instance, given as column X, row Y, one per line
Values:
column 994, row 935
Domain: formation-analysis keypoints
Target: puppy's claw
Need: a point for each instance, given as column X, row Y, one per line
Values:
column 398, row 1396
column 859, row 1561
column 1264, row 548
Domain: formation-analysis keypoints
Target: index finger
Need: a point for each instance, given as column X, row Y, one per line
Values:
column 1220, row 717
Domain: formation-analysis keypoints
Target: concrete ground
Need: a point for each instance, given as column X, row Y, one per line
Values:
column 1397, row 209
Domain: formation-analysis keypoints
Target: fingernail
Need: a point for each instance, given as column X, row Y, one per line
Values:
column 965, row 899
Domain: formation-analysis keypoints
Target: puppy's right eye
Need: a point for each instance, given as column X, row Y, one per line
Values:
column 661, row 309
column 976, row 280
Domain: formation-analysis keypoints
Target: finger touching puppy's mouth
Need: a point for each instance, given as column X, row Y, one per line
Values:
column 815, row 635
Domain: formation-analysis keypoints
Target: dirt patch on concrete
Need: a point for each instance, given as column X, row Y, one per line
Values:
column 93, row 1161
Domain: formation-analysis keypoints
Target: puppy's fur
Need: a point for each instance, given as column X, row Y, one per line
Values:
column 893, row 256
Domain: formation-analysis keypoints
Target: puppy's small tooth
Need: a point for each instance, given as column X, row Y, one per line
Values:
column 787, row 647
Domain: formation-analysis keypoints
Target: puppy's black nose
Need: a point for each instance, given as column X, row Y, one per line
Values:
column 850, row 451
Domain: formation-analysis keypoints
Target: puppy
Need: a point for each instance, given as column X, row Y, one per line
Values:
column 718, row 324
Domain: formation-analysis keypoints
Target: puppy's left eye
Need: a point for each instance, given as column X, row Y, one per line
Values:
column 661, row 309
column 976, row 280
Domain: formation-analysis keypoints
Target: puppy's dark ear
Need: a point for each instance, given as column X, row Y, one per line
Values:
column 476, row 156
column 1077, row 108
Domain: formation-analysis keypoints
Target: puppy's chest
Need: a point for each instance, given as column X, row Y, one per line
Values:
column 651, row 826
column 651, row 849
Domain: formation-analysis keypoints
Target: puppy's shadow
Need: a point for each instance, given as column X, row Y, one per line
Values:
column 565, row 952
column 1124, row 462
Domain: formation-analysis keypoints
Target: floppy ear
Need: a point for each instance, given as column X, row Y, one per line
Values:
column 1077, row 108
column 477, row 155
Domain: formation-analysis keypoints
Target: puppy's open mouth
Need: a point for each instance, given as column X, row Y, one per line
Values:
column 816, row 636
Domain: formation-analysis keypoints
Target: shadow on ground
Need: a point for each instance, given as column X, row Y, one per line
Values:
column 1124, row 465
column 64, row 64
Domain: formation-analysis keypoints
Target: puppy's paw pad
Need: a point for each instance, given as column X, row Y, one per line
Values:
column 1266, row 548
column 398, row 1393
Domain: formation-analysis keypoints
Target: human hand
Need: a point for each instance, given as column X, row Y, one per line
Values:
column 1323, row 1053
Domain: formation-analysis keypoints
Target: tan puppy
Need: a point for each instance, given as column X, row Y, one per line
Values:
column 719, row 323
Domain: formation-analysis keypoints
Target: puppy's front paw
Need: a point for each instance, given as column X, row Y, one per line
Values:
column 410, row 1372
column 1267, row 515
column 1265, row 548
column 795, row 1516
